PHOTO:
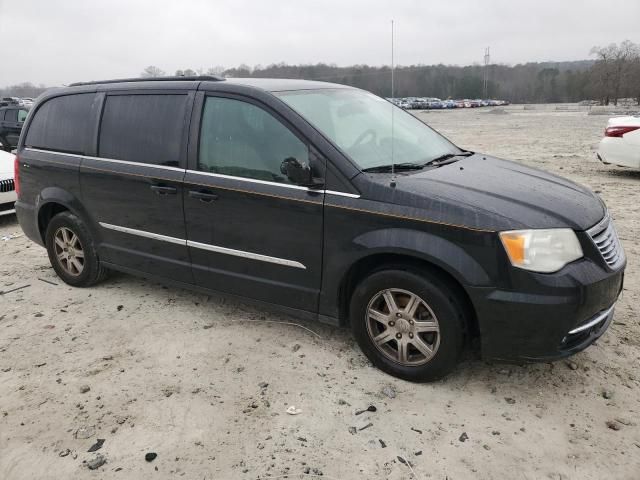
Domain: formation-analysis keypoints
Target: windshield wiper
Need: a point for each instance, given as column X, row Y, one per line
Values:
column 447, row 158
column 393, row 167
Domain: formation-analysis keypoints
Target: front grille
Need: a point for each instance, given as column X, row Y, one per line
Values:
column 606, row 240
column 7, row 185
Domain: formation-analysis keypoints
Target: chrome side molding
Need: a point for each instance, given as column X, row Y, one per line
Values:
column 204, row 246
column 243, row 254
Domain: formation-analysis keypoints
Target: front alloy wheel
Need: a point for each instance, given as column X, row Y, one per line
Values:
column 403, row 327
column 409, row 322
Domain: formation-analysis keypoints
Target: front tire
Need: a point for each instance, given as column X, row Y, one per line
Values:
column 72, row 252
column 409, row 324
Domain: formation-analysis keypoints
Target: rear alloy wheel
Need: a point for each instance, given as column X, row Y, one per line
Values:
column 69, row 251
column 409, row 323
column 72, row 252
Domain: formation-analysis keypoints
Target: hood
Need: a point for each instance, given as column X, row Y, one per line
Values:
column 489, row 193
column 6, row 164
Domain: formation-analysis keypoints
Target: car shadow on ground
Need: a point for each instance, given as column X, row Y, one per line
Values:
column 472, row 367
column 628, row 174
column 9, row 220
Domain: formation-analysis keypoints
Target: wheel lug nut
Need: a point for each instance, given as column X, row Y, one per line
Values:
column 392, row 323
column 398, row 336
column 410, row 335
column 411, row 322
column 399, row 315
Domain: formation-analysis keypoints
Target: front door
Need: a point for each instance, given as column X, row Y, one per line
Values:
column 133, row 185
column 251, row 230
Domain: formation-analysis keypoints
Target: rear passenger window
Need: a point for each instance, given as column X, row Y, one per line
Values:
column 241, row 139
column 62, row 124
column 143, row 128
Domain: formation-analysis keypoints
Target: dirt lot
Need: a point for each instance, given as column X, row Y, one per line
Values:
column 185, row 375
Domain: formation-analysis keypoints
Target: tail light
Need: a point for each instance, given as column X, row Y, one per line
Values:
column 16, row 175
column 619, row 131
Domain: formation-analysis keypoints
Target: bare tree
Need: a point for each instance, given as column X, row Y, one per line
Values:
column 217, row 70
column 188, row 72
column 151, row 72
column 613, row 67
column 631, row 76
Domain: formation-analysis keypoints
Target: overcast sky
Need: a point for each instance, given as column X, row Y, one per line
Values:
column 61, row 41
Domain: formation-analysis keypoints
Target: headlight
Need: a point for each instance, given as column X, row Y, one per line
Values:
column 541, row 250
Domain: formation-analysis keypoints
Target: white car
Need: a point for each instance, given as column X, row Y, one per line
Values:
column 7, row 186
column 621, row 142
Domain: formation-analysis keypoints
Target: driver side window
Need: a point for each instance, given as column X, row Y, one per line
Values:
column 241, row 139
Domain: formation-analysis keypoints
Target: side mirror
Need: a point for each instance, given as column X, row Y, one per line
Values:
column 299, row 173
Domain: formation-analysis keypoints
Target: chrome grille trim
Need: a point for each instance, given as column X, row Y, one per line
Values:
column 595, row 321
column 7, row 185
column 606, row 240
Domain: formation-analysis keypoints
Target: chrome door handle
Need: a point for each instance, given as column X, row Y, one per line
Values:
column 203, row 196
column 164, row 190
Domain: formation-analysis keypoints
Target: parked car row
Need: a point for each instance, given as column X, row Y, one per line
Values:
column 16, row 101
column 428, row 103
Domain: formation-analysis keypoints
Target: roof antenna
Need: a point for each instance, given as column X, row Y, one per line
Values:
column 393, row 96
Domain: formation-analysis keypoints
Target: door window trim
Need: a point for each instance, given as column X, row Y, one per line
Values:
column 197, row 172
column 102, row 159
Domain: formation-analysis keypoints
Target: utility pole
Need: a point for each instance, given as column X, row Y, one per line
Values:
column 487, row 60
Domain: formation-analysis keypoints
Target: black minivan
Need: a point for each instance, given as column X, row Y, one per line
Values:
column 324, row 200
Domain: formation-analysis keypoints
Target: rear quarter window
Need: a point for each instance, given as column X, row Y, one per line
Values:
column 144, row 128
column 62, row 124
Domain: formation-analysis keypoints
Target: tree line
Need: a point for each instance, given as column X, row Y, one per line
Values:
column 612, row 74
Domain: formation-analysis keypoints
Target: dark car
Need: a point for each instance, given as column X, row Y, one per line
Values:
column 8, row 101
column 297, row 194
column 11, row 122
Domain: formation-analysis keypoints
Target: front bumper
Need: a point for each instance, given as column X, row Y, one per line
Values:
column 617, row 151
column 559, row 315
column 7, row 202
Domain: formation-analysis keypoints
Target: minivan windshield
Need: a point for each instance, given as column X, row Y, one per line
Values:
column 360, row 123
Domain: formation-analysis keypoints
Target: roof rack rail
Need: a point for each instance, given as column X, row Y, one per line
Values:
column 211, row 78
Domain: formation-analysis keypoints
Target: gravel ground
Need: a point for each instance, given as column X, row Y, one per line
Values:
column 205, row 383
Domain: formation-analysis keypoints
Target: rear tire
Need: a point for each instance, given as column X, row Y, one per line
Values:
column 72, row 252
column 420, row 336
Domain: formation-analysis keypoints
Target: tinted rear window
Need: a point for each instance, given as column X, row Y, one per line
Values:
column 11, row 116
column 143, row 128
column 62, row 124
